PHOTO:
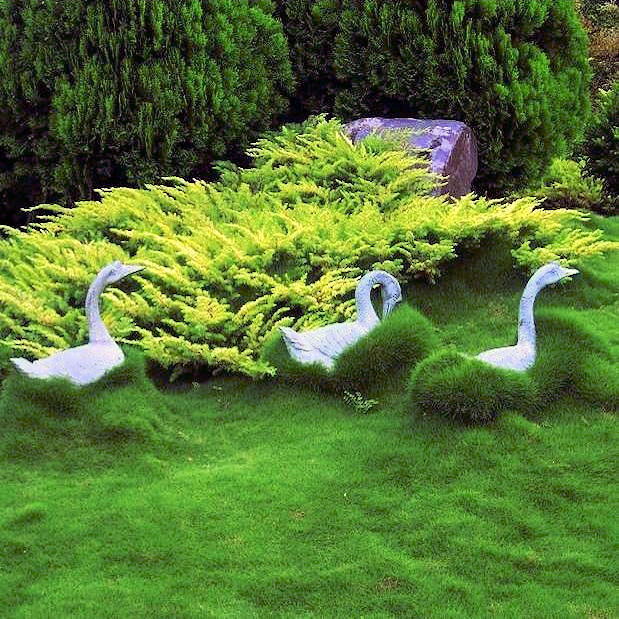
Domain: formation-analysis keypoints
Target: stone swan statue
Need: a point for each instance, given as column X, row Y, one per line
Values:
column 324, row 344
column 522, row 356
column 85, row 364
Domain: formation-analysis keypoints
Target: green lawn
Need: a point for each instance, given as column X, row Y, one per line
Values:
column 267, row 500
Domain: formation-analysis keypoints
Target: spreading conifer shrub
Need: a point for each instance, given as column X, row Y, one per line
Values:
column 283, row 244
column 466, row 390
column 566, row 184
column 381, row 359
column 97, row 94
column 516, row 72
column 122, row 408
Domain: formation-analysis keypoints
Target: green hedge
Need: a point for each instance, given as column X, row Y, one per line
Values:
column 515, row 71
column 96, row 94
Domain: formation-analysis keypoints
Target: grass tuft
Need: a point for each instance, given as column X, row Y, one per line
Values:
column 384, row 357
column 573, row 360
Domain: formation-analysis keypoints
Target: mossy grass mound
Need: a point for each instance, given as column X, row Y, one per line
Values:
column 573, row 360
column 122, row 408
column 450, row 385
column 382, row 359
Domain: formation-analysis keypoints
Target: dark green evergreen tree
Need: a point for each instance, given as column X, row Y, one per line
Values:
column 311, row 27
column 108, row 92
column 601, row 145
column 516, row 71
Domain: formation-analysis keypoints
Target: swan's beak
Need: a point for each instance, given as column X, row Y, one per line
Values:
column 390, row 305
column 569, row 272
column 130, row 269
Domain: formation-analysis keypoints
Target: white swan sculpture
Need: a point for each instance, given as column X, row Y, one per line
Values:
column 324, row 344
column 85, row 364
column 522, row 356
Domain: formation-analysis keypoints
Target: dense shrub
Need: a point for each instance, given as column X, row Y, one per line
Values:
column 516, row 72
column 311, row 27
column 601, row 145
column 449, row 385
column 565, row 184
column 381, row 359
column 96, row 94
column 281, row 244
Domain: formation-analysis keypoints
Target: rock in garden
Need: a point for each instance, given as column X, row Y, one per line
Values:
column 451, row 144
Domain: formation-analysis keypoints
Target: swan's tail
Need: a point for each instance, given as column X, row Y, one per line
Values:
column 293, row 342
column 24, row 366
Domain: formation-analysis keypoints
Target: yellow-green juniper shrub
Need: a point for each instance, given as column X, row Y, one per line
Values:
column 283, row 243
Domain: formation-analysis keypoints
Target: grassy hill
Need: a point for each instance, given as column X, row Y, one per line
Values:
column 246, row 498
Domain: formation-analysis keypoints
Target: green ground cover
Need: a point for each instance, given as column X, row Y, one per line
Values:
column 246, row 498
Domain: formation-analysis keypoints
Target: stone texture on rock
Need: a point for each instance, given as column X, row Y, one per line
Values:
column 451, row 144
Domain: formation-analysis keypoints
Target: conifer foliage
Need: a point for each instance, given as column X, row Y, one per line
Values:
column 516, row 71
column 109, row 92
column 281, row 244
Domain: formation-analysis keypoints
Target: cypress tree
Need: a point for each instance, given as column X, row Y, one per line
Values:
column 109, row 92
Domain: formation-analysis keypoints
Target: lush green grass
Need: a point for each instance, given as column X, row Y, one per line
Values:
column 263, row 499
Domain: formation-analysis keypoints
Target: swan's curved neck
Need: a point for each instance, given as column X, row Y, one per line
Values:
column 366, row 313
column 96, row 329
column 526, row 320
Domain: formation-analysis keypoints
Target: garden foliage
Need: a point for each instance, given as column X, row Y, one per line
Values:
column 516, row 72
column 566, row 184
column 98, row 94
column 283, row 243
column 601, row 146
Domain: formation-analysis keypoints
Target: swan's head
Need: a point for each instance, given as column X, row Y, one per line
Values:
column 117, row 270
column 551, row 273
column 391, row 293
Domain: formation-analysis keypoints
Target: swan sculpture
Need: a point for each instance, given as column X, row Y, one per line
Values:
column 324, row 344
column 522, row 356
column 85, row 364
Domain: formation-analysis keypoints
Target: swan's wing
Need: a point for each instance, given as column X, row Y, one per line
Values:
column 517, row 358
column 321, row 345
column 81, row 365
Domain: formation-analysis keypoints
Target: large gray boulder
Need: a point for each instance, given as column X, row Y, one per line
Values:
column 451, row 144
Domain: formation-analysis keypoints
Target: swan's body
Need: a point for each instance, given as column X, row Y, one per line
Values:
column 522, row 356
column 85, row 364
column 324, row 344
